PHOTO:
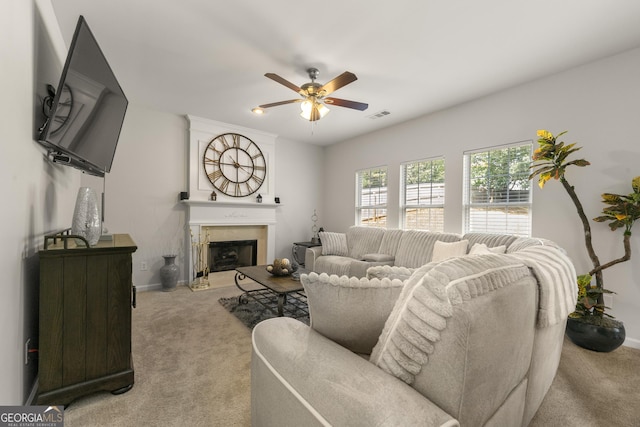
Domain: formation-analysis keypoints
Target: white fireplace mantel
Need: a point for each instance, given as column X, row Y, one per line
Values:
column 206, row 214
column 203, row 213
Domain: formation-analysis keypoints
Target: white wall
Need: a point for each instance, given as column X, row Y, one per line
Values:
column 299, row 183
column 599, row 104
column 38, row 197
column 141, row 191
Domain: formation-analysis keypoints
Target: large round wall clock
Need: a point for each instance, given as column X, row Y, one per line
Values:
column 234, row 164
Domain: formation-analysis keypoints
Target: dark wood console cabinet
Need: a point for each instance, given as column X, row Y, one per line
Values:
column 86, row 297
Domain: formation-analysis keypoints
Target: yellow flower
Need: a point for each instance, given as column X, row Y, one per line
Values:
column 545, row 134
column 543, row 179
column 620, row 217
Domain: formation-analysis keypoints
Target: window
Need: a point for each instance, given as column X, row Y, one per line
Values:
column 497, row 193
column 371, row 197
column 422, row 192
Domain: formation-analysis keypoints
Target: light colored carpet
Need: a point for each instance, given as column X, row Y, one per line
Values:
column 192, row 368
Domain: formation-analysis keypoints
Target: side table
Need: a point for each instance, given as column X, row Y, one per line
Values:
column 298, row 251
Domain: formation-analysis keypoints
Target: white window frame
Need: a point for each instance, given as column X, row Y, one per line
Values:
column 375, row 201
column 431, row 203
column 508, row 223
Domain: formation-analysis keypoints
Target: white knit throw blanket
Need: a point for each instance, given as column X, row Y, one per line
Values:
column 557, row 286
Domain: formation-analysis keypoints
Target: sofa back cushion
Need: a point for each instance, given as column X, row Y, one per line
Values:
column 461, row 333
column 522, row 243
column 491, row 240
column 390, row 241
column 416, row 247
column 363, row 240
column 348, row 310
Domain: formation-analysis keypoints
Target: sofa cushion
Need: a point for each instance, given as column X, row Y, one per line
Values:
column 390, row 241
column 522, row 243
column 363, row 240
column 482, row 249
column 491, row 240
column 440, row 327
column 333, row 264
column 390, row 272
column 445, row 250
column 416, row 247
column 348, row 310
column 388, row 259
column 333, row 243
column 421, row 312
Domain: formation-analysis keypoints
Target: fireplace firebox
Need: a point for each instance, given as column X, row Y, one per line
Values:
column 228, row 255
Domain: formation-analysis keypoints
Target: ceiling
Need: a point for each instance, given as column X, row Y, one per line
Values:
column 412, row 57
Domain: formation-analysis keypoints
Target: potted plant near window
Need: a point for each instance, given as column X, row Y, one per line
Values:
column 589, row 326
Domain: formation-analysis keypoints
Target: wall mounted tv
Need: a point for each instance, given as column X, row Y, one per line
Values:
column 86, row 111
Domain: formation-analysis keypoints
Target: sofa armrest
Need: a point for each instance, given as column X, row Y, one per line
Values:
column 310, row 257
column 299, row 377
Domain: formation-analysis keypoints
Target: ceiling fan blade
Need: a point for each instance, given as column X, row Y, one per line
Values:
column 275, row 104
column 345, row 103
column 340, row 81
column 282, row 81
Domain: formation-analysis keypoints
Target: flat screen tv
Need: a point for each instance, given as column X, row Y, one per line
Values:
column 86, row 111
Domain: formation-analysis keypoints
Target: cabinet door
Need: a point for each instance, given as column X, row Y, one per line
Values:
column 119, row 313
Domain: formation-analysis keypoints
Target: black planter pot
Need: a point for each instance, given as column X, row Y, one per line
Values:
column 595, row 337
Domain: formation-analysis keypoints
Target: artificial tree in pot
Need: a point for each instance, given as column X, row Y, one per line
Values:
column 551, row 161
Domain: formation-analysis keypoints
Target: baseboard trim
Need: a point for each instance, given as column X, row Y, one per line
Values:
column 631, row 342
column 156, row 286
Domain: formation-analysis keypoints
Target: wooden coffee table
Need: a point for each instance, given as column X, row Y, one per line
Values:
column 275, row 292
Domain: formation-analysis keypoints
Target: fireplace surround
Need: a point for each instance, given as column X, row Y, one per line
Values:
column 219, row 221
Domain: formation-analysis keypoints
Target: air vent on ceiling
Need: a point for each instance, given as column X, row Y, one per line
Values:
column 379, row 114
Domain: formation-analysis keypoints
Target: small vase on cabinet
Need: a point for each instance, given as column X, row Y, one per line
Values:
column 169, row 273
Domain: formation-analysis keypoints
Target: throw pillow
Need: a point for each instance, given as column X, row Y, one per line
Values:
column 334, row 243
column 446, row 250
column 348, row 310
column 482, row 249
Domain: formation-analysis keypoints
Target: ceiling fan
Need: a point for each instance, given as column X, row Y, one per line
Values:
column 314, row 95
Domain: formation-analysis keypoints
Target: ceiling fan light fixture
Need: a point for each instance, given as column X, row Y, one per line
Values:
column 313, row 110
column 258, row 111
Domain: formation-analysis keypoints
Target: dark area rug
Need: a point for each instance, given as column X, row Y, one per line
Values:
column 252, row 313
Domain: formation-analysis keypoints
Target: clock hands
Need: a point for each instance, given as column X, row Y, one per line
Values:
column 235, row 164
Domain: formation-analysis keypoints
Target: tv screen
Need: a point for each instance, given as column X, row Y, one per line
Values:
column 88, row 109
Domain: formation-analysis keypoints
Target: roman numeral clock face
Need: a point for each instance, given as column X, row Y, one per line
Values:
column 234, row 164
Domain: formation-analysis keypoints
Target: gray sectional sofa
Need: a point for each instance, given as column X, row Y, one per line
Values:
column 353, row 252
column 469, row 339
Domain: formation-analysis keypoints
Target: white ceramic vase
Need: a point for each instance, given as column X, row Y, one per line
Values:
column 86, row 216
